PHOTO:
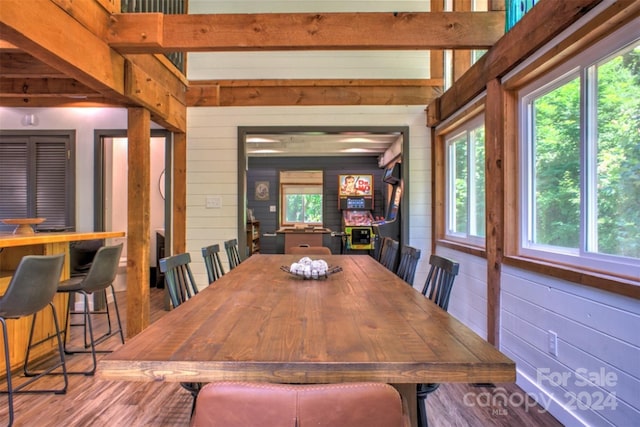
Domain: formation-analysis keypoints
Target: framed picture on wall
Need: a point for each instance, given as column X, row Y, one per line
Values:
column 262, row 190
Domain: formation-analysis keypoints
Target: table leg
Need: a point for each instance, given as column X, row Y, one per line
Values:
column 408, row 393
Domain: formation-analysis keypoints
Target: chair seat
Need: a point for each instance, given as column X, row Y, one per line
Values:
column 73, row 284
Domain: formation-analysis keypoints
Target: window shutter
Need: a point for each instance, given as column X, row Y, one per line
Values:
column 37, row 179
column 51, row 182
column 13, row 180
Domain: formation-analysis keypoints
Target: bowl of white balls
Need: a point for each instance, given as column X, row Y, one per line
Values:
column 309, row 269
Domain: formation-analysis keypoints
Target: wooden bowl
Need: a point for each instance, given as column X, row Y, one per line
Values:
column 24, row 225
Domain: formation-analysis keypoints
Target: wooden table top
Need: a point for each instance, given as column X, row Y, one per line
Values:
column 8, row 240
column 259, row 323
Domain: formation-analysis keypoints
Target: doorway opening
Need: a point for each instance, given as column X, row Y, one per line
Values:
column 110, row 192
column 385, row 143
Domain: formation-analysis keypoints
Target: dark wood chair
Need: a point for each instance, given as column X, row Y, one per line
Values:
column 231, row 248
column 409, row 257
column 212, row 262
column 181, row 286
column 389, row 256
column 437, row 288
column 99, row 278
column 240, row 404
column 178, row 278
column 31, row 289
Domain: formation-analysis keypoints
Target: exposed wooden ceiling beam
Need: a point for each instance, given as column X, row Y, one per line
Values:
column 234, row 93
column 14, row 63
column 80, row 52
column 44, row 87
column 155, row 32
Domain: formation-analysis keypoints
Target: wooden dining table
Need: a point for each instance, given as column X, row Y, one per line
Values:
column 260, row 323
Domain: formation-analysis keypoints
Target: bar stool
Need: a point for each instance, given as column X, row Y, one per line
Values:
column 31, row 289
column 100, row 277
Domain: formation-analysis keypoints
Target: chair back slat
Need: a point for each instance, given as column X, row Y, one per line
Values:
column 409, row 257
column 212, row 262
column 231, row 247
column 440, row 280
column 178, row 277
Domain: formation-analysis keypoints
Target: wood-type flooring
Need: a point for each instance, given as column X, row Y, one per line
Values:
column 90, row 401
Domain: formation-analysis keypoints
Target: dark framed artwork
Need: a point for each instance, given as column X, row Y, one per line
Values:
column 262, row 190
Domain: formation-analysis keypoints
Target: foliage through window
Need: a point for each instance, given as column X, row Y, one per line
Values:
column 465, row 172
column 301, row 197
column 582, row 162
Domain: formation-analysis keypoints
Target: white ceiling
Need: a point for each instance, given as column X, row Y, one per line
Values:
column 320, row 144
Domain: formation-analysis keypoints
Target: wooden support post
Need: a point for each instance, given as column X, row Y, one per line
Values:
column 495, row 182
column 138, row 220
column 179, row 193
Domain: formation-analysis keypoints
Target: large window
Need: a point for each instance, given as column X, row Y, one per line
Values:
column 581, row 163
column 465, row 175
column 37, row 178
column 301, row 197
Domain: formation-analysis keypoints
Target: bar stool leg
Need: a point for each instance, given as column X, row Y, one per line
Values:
column 7, row 362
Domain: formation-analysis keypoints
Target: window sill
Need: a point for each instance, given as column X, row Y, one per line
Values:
column 607, row 282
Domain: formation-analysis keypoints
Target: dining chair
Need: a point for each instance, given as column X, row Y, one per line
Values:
column 310, row 250
column 240, row 404
column 178, row 278
column 383, row 242
column 390, row 254
column 231, row 247
column 181, row 286
column 437, row 288
column 409, row 257
column 212, row 262
column 98, row 279
column 31, row 288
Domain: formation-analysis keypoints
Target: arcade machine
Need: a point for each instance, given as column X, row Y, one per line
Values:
column 356, row 203
column 390, row 225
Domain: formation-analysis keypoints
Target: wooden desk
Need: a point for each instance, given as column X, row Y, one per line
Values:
column 258, row 323
column 12, row 249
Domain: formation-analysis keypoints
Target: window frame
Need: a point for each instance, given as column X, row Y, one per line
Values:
column 578, row 66
column 283, row 202
column 466, row 127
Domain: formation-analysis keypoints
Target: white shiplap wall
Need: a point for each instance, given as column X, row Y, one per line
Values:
column 212, row 165
column 597, row 336
column 411, row 64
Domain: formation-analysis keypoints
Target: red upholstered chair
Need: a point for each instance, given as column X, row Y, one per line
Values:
column 310, row 250
column 243, row 404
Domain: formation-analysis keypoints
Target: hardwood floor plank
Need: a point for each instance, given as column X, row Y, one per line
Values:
column 93, row 402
